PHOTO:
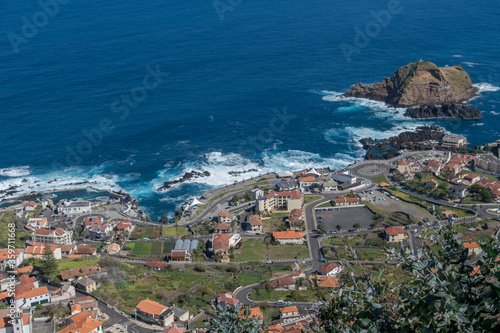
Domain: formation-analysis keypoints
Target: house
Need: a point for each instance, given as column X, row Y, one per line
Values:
column 68, row 249
column 431, row 183
column 174, row 329
column 289, row 312
column 432, row 166
column 23, row 270
column 344, row 178
column 154, row 312
column 124, row 226
column 452, row 168
column 82, row 322
column 415, row 167
column 488, row 163
column 256, row 193
column 86, row 251
column 180, row 314
column 472, row 178
column 288, row 185
column 254, row 313
column 329, row 269
column 6, row 282
column 97, row 228
column 326, row 281
column 82, row 271
column 30, row 206
column 62, row 294
column 112, row 248
column 285, row 201
column 87, row 284
column 74, row 207
column 180, row 255
column 296, row 212
column 86, row 303
column 254, row 223
column 329, row 185
column 289, row 237
column 32, row 297
column 222, row 242
column 276, row 328
column 226, row 300
column 159, row 265
column 284, row 174
column 11, row 258
column 15, row 322
column 298, row 275
column 384, row 184
column 223, row 227
column 37, row 223
column 394, row 234
column 305, row 183
column 57, row 236
column 39, row 251
column 403, row 166
column 346, row 201
column 454, row 141
column 225, row 216
column 283, row 283
column 460, row 191
column 472, row 248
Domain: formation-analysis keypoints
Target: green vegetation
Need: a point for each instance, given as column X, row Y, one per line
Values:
column 7, row 221
column 252, row 249
column 65, row 264
column 48, row 265
column 141, row 232
column 311, row 198
column 381, row 179
column 174, row 231
column 269, row 294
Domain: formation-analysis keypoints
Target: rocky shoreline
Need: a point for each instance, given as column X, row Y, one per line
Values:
column 459, row 111
column 187, row 176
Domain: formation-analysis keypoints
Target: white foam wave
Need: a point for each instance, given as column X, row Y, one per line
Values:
column 471, row 64
column 15, row 171
column 354, row 134
column 495, row 113
column 458, row 56
column 333, row 96
column 485, row 86
column 478, row 124
column 61, row 179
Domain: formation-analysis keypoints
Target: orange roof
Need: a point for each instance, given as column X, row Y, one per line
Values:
column 32, row 293
column 277, row 328
column 254, row 220
column 76, row 307
column 81, row 323
column 288, row 309
column 254, row 313
column 327, row 281
column 23, row 270
column 225, row 213
column 307, row 179
column 293, row 194
column 4, row 295
column 287, row 235
column 432, row 181
column 327, row 268
column 394, row 231
column 384, row 184
column 74, row 256
column 123, row 225
column 6, row 320
column 6, row 254
column 151, row 307
column 470, row 245
column 30, row 203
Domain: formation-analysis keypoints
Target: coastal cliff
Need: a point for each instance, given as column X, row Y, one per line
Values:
column 419, row 83
column 460, row 111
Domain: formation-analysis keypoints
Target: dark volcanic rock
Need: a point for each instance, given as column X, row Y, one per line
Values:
column 237, row 173
column 187, row 176
column 460, row 111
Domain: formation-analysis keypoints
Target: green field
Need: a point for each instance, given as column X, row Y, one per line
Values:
column 65, row 264
column 255, row 249
column 157, row 249
column 20, row 234
column 168, row 247
column 142, row 249
column 174, row 231
column 311, row 198
column 381, row 179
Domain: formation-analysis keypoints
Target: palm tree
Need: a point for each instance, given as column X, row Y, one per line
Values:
column 338, row 227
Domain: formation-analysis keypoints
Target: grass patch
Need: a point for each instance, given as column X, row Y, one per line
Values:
column 251, row 249
column 286, row 295
column 311, row 198
column 174, row 231
column 142, row 249
column 129, row 246
column 65, row 264
column 20, row 234
column 168, row 247
column 279, row 214
column 157, row 249
column 381, row 179
column 326, row 204
column 289, row 251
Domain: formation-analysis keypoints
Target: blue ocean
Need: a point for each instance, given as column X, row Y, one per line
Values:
column 129, row 94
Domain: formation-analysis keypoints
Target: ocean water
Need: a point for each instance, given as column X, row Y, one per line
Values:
column 129, row 94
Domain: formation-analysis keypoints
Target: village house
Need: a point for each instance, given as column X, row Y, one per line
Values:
column 403, row 166
column 431, row 183
column 394, row 234
column 223, row 227
column 226, row 299
column 154, row 312
column 180, row 255
column 39, row 251
column 432, row 166
column 158, row 265
column 460, row 191
column 12, row 258
column 62, row 294
column 37, row 223
column 112, row 248
column 23, row 270
column 15, row 322
column 329, row 269
column 86, row 251
column 326, row 281
column 97, row 228
column 57, row 236
column 86, row 303
column 70, row 274
column 472, row 178
column 221, row 244
column 329, row 185
column 306, row 183
column 254, row 313
column 225, row 217
column 288, row 185
column 289, row 237
column 283, row 283
column 349, row 201
column 289, row 312
column 472, row 248
column 32, row 297
column 74, row 207
column 30, row 206
column 82, row 322
column 299, row 274
column 87, row 284
column 124, row 226
column 254, row 223
column 174, row 329
column 284, row 201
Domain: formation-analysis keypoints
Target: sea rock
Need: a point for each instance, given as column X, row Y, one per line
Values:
column 460, row 111
column 187, row 176
column 419, row 83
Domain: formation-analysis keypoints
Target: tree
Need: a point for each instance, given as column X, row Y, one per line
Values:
column 231, row 320
column 448, row 293
column 48, row 264
column 356, row 225
column 339, row 227
column 321, row 229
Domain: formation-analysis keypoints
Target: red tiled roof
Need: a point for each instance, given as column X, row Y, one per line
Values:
column 296, row 212
column 282, row 282
column 32, row 293
column 327, row 281
column 178, row 254
column 81, row 323
column 254, row 220
column 288, row 309
column 293, row 194
column 123, row 225
column 402, row 162
column 254, row 313
column 151, row 307
column 87, row 270
column 394, row 231
column 471, row 245
column 85, row 250
column 225, row 213
column 287, row 235
column 307, row 179
column 327, row 268
column 220, row 242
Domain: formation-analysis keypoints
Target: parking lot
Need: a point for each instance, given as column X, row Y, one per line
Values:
column 345, row 217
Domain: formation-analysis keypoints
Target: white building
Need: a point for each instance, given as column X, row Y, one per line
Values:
column 289, row 237
column 11, row 258
column 37, row 223
column 74, row 207
column 344, row 177
column 32, row 297
column 19, row 323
